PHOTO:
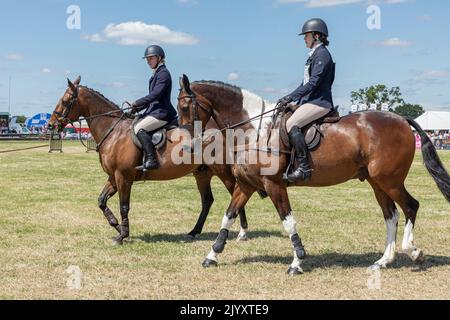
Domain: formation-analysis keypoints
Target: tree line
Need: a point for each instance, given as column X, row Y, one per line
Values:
column 380, row 93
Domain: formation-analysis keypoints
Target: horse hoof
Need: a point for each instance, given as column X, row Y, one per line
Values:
column 209, row 263
column 117, row 241
column 420, row 257
column 376, row 267
column 242, row 237
column 295, row 271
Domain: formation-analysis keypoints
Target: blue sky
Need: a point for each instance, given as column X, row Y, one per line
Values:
column 252, row 44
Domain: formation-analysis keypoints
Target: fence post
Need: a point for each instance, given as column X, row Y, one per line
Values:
column 55, row 142
column 91, row 145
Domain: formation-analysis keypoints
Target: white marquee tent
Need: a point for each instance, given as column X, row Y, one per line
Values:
column 434, row 120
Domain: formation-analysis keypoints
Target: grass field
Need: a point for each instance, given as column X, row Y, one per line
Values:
column 50, row 221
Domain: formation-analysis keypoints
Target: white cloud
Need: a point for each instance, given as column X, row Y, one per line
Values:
column 393, row 42
column 329, row 3
column 46, row 71
column 320, row 3
column 14, row 56
column 117, row 85
column 140, row 33
column 289, row 1
column 394, row 1
column 433, row 75
column 233, row 76
column 194, row 2
column 67, row 72
column 333, row 3
column 425, row 18
column 94, row 38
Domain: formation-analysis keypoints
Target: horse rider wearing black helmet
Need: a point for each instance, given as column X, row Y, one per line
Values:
column 159, row 111
column 313, row 95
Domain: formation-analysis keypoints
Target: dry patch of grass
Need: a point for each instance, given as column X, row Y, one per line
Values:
column 50, row 221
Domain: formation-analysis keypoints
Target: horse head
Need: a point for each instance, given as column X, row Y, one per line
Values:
column 192, row 106
column 66, row 110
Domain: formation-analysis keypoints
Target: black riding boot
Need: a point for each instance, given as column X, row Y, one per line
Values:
column 303, row 171
column 148, row 148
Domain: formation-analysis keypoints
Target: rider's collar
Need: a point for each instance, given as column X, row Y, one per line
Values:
column 159, row 66
column 314, row 49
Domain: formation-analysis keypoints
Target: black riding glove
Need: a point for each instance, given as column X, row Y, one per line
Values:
column 283, row 102
column 134, row 108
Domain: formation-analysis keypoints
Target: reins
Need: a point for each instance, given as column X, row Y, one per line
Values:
column 63, row 118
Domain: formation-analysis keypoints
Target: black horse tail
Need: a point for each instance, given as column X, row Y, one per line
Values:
column 432, row 161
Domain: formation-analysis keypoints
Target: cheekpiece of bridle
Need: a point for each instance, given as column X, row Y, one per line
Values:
column 62, row 117
column 194, row 110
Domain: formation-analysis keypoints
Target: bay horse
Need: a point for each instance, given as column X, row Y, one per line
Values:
column 110, row 128
column 375, row 146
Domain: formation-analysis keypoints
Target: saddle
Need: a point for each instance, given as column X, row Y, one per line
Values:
column 313, row 132
column 159, row 137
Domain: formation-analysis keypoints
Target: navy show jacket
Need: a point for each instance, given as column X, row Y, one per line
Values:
column 318, row 90
column 158, row 100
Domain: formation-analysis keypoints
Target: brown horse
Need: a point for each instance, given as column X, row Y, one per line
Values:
column 119, row 156
column 375, row 146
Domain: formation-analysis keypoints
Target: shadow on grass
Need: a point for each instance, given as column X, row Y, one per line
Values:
column 329, row 260
column 207, row 236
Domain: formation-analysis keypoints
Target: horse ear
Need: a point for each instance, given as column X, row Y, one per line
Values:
column 72, row 86
column 186, row 85
column 77, row 81
column 181, row 84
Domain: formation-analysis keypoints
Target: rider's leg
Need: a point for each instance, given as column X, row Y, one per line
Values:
column 143, row 132
column 303, row 116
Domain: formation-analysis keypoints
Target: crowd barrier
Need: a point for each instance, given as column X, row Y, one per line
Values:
column 91, row 145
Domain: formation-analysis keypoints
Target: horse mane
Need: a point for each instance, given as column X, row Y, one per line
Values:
column 101, row 96
column 222, row 86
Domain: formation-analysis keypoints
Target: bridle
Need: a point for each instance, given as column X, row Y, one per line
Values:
column 211, row 113
column 194, row 116
column 62, row 117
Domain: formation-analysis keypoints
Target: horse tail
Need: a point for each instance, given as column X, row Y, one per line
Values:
column 432, row 161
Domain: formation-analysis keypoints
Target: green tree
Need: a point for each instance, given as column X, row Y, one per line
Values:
column 378, row 95
column 21, row 119
column 410, row 110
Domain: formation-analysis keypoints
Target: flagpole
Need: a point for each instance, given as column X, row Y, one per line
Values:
column 9, row 97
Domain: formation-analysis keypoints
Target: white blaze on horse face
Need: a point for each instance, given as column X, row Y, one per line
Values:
column 290, row 225
column 391, row 237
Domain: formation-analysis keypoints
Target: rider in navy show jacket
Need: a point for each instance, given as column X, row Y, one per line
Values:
column 313, row 96
column 158, row 102
column 159, row 111
column 318, row 90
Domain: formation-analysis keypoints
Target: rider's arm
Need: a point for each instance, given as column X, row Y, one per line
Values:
column 319, row 67
column 162, row 82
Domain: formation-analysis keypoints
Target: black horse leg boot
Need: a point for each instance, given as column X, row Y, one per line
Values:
column 303, row 170
column 148, row 148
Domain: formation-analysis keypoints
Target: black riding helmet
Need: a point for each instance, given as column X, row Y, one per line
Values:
column 154, row 50
column 315, row 25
